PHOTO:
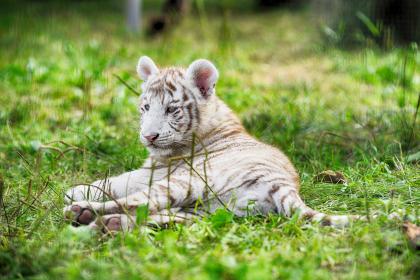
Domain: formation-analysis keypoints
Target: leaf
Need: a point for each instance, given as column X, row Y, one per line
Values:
column 221, row 217
column 413, row 158
column 413, row 235
column 142, row 212
column 369, row 24
column 331, row 34
column 329, row 176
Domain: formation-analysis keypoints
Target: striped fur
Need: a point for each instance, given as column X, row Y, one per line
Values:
column 203, row 159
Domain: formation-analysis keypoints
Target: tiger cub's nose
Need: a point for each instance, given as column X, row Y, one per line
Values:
column 152, row 137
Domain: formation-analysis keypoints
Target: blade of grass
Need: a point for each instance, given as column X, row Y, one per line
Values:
column 127, row 85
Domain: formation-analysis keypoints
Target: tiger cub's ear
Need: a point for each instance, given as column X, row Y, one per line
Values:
column 203, row 75
column 146, row 68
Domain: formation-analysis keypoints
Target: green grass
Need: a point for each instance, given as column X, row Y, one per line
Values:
column 65, row 119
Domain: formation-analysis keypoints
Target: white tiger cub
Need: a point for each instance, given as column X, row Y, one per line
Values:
column 200, row 158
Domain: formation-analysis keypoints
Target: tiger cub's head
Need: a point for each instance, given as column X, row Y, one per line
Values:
column 171, row 103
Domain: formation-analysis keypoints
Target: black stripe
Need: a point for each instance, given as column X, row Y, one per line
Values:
column 189, row 107
column 174, row 101
column 185, row 96
column 173, row 127
column 171, row 93
column 273, row 190
column 170, row 86
column 250, row 182
column 197, row 114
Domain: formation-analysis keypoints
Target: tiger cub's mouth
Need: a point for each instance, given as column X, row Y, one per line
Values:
column 167, row 146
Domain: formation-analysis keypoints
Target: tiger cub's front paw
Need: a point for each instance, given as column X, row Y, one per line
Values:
column 80, row 213
column 82, row 193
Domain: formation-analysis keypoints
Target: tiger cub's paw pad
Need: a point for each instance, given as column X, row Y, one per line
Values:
column 113, row 224
column 79, row 215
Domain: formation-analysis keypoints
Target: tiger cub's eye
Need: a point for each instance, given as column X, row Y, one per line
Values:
column 170, row 110
column 147, row 107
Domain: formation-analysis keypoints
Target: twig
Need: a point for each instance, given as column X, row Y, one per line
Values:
column 127, row 85
column 414, row 121
column 2, row 204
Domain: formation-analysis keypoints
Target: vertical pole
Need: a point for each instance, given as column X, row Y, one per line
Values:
column 133, row 15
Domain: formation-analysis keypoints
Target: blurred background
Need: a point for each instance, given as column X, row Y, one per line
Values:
column 280, row 62
column 348, row 23
column 341, row 71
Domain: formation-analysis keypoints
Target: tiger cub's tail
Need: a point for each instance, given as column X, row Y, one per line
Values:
column 289, row 202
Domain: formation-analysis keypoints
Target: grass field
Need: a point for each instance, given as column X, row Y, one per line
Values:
column 65, row 119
